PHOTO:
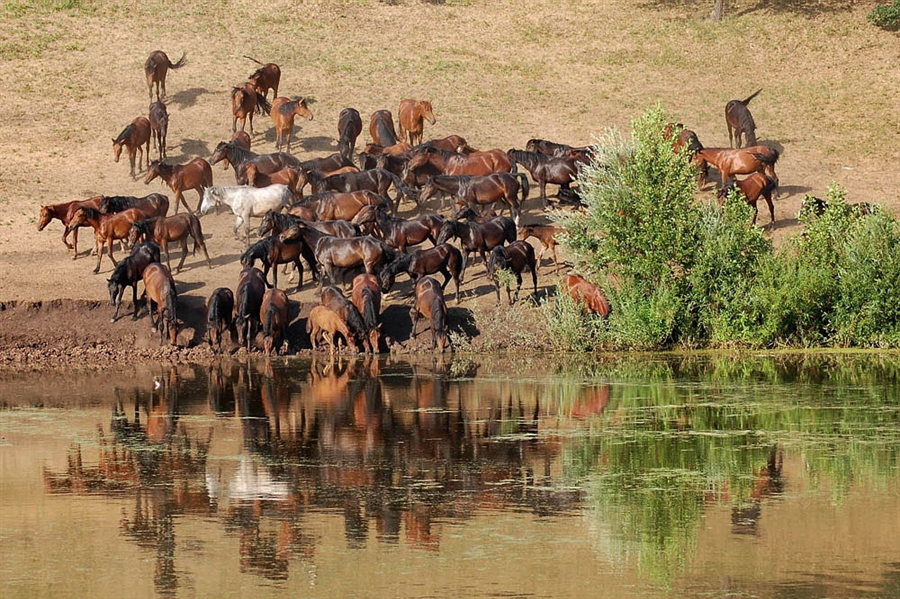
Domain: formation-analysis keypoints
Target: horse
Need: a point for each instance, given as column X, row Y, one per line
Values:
column 752, row 188
column 241, row 158
column 400, row 234
column 156, row 67
column 739, row 121
column 154, row 204
column 276, row 223
column 244, row 103
column 381, row 128
column 481, row 190
column 411, row 115
column 479, row 237
column 134, row 137
column 266, row 77
column 743, row 161
column 128, row 272
column 343, row 205
column 273, row 313
column 162, row 230
column 294, row 178
column 546, row 169
column 585, row 294
column 219, row 316
column 107, row 228
column 451, row 143
column 349, row 128
column 159, row 127
column 443, row 258
column 196, row 175
column 248, row 298
column 334, row 252
column 272, row 251
column 430, row 303
column 323, row 320
column 283, row 111
column 376, row 180
column 64, row 212
column 240, row 139
column 453, row 163
column 546, row 235
column 366, row 296
column 557, row 150
column 515, row 258
column 246, row 201
column 159, row 287
column 333, row 299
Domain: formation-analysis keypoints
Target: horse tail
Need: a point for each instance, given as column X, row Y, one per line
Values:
column 171, row 316
column 263, row 106
column 181, row 62
column 524, row 185
column 771, row 158
column 751, row 96
column 271, row 310
column 369, row 314
column 253, row 59
column 196, row 232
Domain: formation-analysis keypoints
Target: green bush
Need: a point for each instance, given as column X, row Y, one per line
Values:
column 886, row 16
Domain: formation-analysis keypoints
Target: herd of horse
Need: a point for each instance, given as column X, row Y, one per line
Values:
column 347, row 221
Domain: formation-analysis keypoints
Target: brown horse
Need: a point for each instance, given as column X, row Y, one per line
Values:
column 273, row 313
column 323, row 320
column 739, row 121
column 481, row 191
column 244, row 103
column 159, row 287
column 366, row 296
column 134, row 137
column 351, row 252
column 381, row 128
column 294, row 178
column 219, row 316
column 411, row 115
column 546, row 235
column 334, row 300
column 479, row 237
column 156, row 67
column 196, row 175
column 452, row 163
column 743, row 161
column 451, row 143
column 266, row 77
column 163, row 229
column 64, row 212
column 430, row 304
column 586, row 294
column 107, row 228
column 546, row 169
column 127, row 274
column 349, row 128
column 343, row 205
column 377, row 180
column 153, row 204
column 514, row 258
column 159, row 127
column 283, row 112
column 443, row 258
column 556, row 150
column 752, row 188
column 240, row 158
column 248, row 298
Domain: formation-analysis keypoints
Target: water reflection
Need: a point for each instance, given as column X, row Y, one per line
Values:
column 640, row 452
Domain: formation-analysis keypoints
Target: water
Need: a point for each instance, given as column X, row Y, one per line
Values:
column 471, row 477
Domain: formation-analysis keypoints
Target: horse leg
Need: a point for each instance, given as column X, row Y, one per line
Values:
column 768, row 198
column 134, row 303
column 543, row 184
column 414, row 314
column 66, row 231
column 131, row 152
column 183, row 253
column 198, row 240
column 99, row 254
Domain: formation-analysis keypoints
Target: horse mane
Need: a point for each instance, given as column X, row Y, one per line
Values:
column 239, row 154
column 526, row 157
column 144, row 226
column 257, row 251
column 437, row 317
column 91, row 213
column 355, row 320
column 170, row 306
column 400, row 263
column 111, row 204
column 125, row 134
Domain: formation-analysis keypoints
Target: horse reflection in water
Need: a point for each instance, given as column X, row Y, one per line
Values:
column 767, row 483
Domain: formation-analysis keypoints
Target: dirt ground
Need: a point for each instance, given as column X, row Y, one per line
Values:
column 496, row 76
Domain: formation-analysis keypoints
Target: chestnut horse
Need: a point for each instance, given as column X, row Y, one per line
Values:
column 134, row 137
column 128, row 272
column 323, row 320
column 283, row 111
column 248, row 299
column 430, row 304
column 219, row 316
column 411, row 115
column 159, row 127
column 349, row 128
column 546, row 169
column 107, row 228
column 381, row 128
column 453, row 163
column 743, row 161
column 156, row 67
column 244, row 103
column 586, row 294
column 293, row 178
column 266, row 77
column 273, row 313
column 443, row 258
column 159, row 287
column 366, row 296
column 196, row 175
column 514, row 258
column 334, row 300
column 481, row 191
column 479, row 237
column 162, row 230
column 739, row 121
column 64, row 212
column 752, row 188
column 546, row 235
column 343, row 205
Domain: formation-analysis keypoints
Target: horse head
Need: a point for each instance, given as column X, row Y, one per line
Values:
column 117, row 150
column 45, row 217
column 303, row 110
column 153, row 171
column 449, row 229
column 428, row 112
column 211, row 198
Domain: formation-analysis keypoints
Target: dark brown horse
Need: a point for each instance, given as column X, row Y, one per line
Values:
column 443, row 258
column 377, row 180
column 334, row 300
column 515, row 258
column 739, row 121
column 134, row 137
column 245, row 102
column 381, row 128
column 154, row 204
column 752, row 188
column 411, row 115
column 127, row 274
column 159, row 287
column 162, row 230
column 452, row 163
column 430, row 304
column 196, row 175
column 273, row 313
column 159, row 127
column 546, row 169
column 586, row 294
column 480, row 191
column 283, row 111
column 332, row 252
column 546, row 235
column 557, row 150
column 349, row 128
column 366, row 296
column 64, row 212
column 219, row 316
column 399, row 233
column 107, row 228
column 240, row 158
column 743, row 161
column 479, row 237
column 156, row 67
column 275, row 223
column 266, row 77
column 248, row 298
column 272, row 251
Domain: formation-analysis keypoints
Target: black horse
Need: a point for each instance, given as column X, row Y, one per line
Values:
column 128, row 272
column 444, row 259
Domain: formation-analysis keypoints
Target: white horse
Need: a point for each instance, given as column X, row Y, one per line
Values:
column 246, row 201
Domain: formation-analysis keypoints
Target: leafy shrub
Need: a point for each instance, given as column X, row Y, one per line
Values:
column 886, row 16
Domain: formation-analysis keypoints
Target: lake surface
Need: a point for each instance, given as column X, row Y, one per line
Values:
column 707, row 476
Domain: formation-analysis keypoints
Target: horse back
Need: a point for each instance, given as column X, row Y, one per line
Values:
column 158, row 282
